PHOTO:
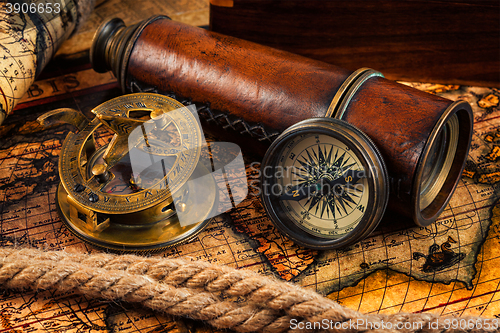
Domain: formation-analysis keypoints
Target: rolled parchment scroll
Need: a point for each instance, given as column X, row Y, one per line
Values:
column 30, row 33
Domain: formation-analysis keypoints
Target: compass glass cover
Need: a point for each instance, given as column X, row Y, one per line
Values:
column 324, row 183
column 326, row 190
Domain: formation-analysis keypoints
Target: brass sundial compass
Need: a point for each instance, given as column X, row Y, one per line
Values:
column 134, row 193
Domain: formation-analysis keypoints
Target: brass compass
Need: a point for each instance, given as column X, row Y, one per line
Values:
column 324, row 183
column 135, row 192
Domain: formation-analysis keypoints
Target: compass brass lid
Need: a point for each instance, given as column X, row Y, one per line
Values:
column 324, row 183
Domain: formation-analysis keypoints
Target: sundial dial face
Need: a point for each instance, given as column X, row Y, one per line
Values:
column 136, row 193
column 151, row 159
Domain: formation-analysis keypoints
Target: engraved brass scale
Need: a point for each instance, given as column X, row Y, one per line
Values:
column 127, row 195
column 132, row 193
column 135, row 193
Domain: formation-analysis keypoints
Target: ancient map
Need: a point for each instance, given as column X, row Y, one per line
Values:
column 31, row 32
column 451, row 267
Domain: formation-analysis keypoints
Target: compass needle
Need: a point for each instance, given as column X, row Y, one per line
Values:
column 311, row 159
column 321, row 157
column 338, row 163
column 347, row 167
column 332, row 158
column 329, row 158
column 315, row 203
column 323, row 206
column 341, row 202
column 316, row 158
column 331, row 204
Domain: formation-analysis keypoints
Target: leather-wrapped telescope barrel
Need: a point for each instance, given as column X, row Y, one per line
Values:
column 424, row 139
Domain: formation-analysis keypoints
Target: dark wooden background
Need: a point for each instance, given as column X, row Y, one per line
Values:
column 445, row 41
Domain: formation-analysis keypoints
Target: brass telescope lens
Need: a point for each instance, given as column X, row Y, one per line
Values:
column 442, row 162
column 439, row 161
column 425, row 146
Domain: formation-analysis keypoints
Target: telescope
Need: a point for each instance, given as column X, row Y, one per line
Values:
column 355, row 140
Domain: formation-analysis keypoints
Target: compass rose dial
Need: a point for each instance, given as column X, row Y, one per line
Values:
column 326, row 190
column 324, row 183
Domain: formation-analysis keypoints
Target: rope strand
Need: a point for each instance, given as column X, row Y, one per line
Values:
column 182, row 287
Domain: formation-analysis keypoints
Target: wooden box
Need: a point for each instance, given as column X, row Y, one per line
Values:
column 420, row 40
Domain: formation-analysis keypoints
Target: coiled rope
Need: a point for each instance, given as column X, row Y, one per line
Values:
column 203, row 291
